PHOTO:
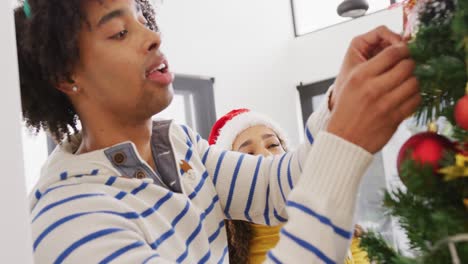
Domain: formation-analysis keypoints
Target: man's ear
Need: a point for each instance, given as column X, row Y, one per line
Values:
column 68, row 87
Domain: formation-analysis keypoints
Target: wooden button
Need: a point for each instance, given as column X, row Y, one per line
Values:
column 119, row 158
column 139, row 174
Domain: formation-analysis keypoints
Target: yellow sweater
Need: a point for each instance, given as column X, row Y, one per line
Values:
column 266, row 237
column 358, row 255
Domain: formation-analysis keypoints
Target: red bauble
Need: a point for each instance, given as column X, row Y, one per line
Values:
column 426, row 148
column 461, row 112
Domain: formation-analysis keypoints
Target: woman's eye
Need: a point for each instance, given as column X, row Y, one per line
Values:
column 121, row 35
column 273, row 146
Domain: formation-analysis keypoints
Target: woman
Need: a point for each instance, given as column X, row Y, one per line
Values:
column 253, row 133
column 130, row 190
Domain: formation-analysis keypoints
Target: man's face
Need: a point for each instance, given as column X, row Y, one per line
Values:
column 121, row 70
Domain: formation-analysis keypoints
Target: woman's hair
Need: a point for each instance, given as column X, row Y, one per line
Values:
column 47, row 44
column 239, row 234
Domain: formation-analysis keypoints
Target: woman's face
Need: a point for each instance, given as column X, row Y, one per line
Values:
column 258, row 140
column 121, row 70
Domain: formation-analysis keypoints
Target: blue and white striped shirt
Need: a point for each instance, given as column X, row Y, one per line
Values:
column 87, row 209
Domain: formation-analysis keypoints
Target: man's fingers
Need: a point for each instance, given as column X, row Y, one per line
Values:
column 407, row 109
column 396, row 75
column 387, row 59
column 381, row 34
column 404, row 99
column 407, row 89
column 378, row 48
column 373, row 42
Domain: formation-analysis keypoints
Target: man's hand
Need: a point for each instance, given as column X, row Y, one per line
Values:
column 377, row 90
column 363, row 48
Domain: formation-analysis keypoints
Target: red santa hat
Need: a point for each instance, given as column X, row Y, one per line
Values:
column 225, row 130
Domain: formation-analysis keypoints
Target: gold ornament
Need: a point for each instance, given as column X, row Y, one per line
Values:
column 432, row 127
column 459, row 170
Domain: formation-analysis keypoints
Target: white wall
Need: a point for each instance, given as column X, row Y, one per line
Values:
column 249, row 47
column 243, row 44
column 35, row 155
column 15, row 238
column 318, row 55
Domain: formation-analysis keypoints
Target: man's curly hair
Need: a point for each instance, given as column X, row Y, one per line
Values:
column 47, row 44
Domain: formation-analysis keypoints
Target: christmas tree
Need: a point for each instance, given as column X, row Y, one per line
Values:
column 433, row 206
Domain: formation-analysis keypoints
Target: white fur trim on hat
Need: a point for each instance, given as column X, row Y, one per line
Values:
column 241, row 122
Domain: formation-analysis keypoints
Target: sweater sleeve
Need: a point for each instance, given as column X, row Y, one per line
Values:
column 321, row 207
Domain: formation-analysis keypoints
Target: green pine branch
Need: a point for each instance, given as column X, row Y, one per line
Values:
column 377, row 249
column 438, row 50
column 429, row 210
